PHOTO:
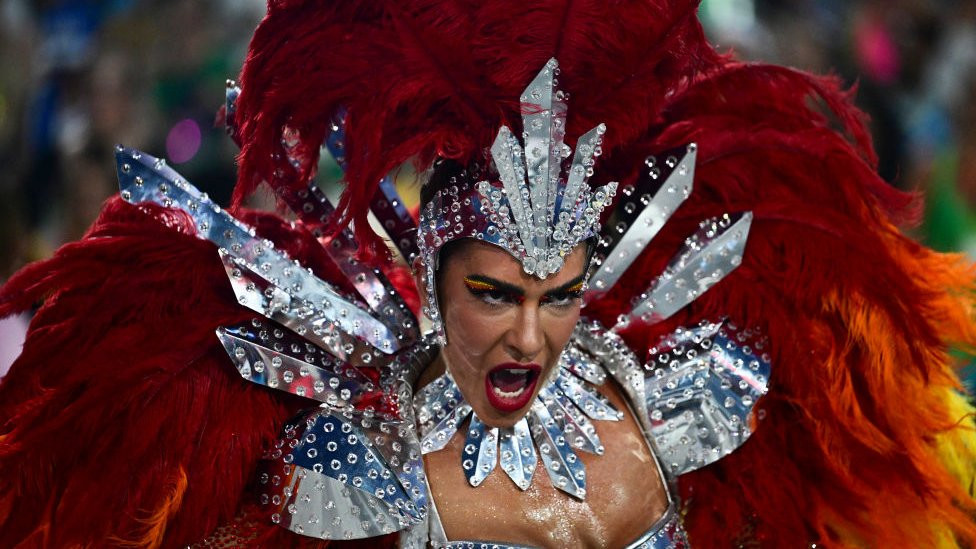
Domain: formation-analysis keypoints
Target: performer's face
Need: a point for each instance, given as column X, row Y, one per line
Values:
column 505, row 328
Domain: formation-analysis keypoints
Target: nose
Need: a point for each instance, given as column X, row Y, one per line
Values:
column 525, row 338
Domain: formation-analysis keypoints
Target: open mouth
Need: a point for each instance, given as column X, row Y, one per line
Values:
column 510, row 386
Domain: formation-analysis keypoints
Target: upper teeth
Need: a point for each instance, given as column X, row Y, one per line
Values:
column 519, row 371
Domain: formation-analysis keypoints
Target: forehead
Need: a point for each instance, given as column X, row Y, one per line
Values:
column 472, row 257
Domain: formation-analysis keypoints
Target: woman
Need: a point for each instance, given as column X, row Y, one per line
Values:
column 127, row 425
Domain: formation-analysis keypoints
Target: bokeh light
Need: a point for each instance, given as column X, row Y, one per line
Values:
column 183, row 141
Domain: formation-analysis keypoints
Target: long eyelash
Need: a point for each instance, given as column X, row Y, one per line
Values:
column 565, row 296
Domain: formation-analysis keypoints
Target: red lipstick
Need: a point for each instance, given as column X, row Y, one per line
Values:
column 510, row 386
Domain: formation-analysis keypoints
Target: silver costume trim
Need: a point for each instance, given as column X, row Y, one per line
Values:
column 268, row 354
column 702, row 386
column 642, row 211
column 264, row 279
column 707, row 257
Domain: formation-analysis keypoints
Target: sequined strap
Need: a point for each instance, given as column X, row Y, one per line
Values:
column 667, row 533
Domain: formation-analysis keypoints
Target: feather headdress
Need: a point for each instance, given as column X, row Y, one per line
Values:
column 863, row 438
column 863, row 411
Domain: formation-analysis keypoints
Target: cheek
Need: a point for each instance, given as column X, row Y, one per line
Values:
column 470, row 336
column 559, row 329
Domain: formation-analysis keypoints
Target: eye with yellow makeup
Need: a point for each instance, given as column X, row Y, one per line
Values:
column 493, row 293
column 564, row 297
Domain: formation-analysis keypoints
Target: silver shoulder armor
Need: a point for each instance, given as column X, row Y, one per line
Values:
column 696, row 392
column 345, row 475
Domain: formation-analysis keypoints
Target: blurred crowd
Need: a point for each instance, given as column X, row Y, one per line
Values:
column 914, row 66
column 78, row 76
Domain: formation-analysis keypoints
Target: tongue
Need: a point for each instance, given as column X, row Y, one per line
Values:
column 509, row 380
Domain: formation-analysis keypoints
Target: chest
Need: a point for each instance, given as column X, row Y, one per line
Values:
column 625, row 495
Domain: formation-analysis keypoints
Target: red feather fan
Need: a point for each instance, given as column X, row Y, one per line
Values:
column 124, row 421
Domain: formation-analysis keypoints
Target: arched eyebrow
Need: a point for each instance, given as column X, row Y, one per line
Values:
column 570, row 287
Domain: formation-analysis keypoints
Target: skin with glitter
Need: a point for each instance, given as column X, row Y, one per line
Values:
column 505, row 328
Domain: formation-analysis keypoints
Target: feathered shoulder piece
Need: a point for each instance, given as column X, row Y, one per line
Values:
column 125, row 373
column 120, row 419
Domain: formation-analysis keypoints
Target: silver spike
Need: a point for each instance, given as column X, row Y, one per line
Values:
column 707, row 257
column 295, row 368
column 442, row 432
column 332, row 321
column 440, row 410
column 480, row 452
column 592, row 405
column 543, row 125
column 562, row 464
column 639, row 215
column 578, row 430
column 507, row 154
column 517, row 454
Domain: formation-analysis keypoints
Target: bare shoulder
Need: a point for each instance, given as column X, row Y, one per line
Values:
column 625, row 494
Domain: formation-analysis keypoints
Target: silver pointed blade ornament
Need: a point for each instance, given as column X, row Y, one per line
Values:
column 480, row 453
column 642, row 209
column 536, row 210
column 543, row 212
column 562, row 464
column 268, row 354
column 517, row 454
column 707, row 257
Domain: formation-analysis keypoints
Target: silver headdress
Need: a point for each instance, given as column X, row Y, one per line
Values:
column 538, row 212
